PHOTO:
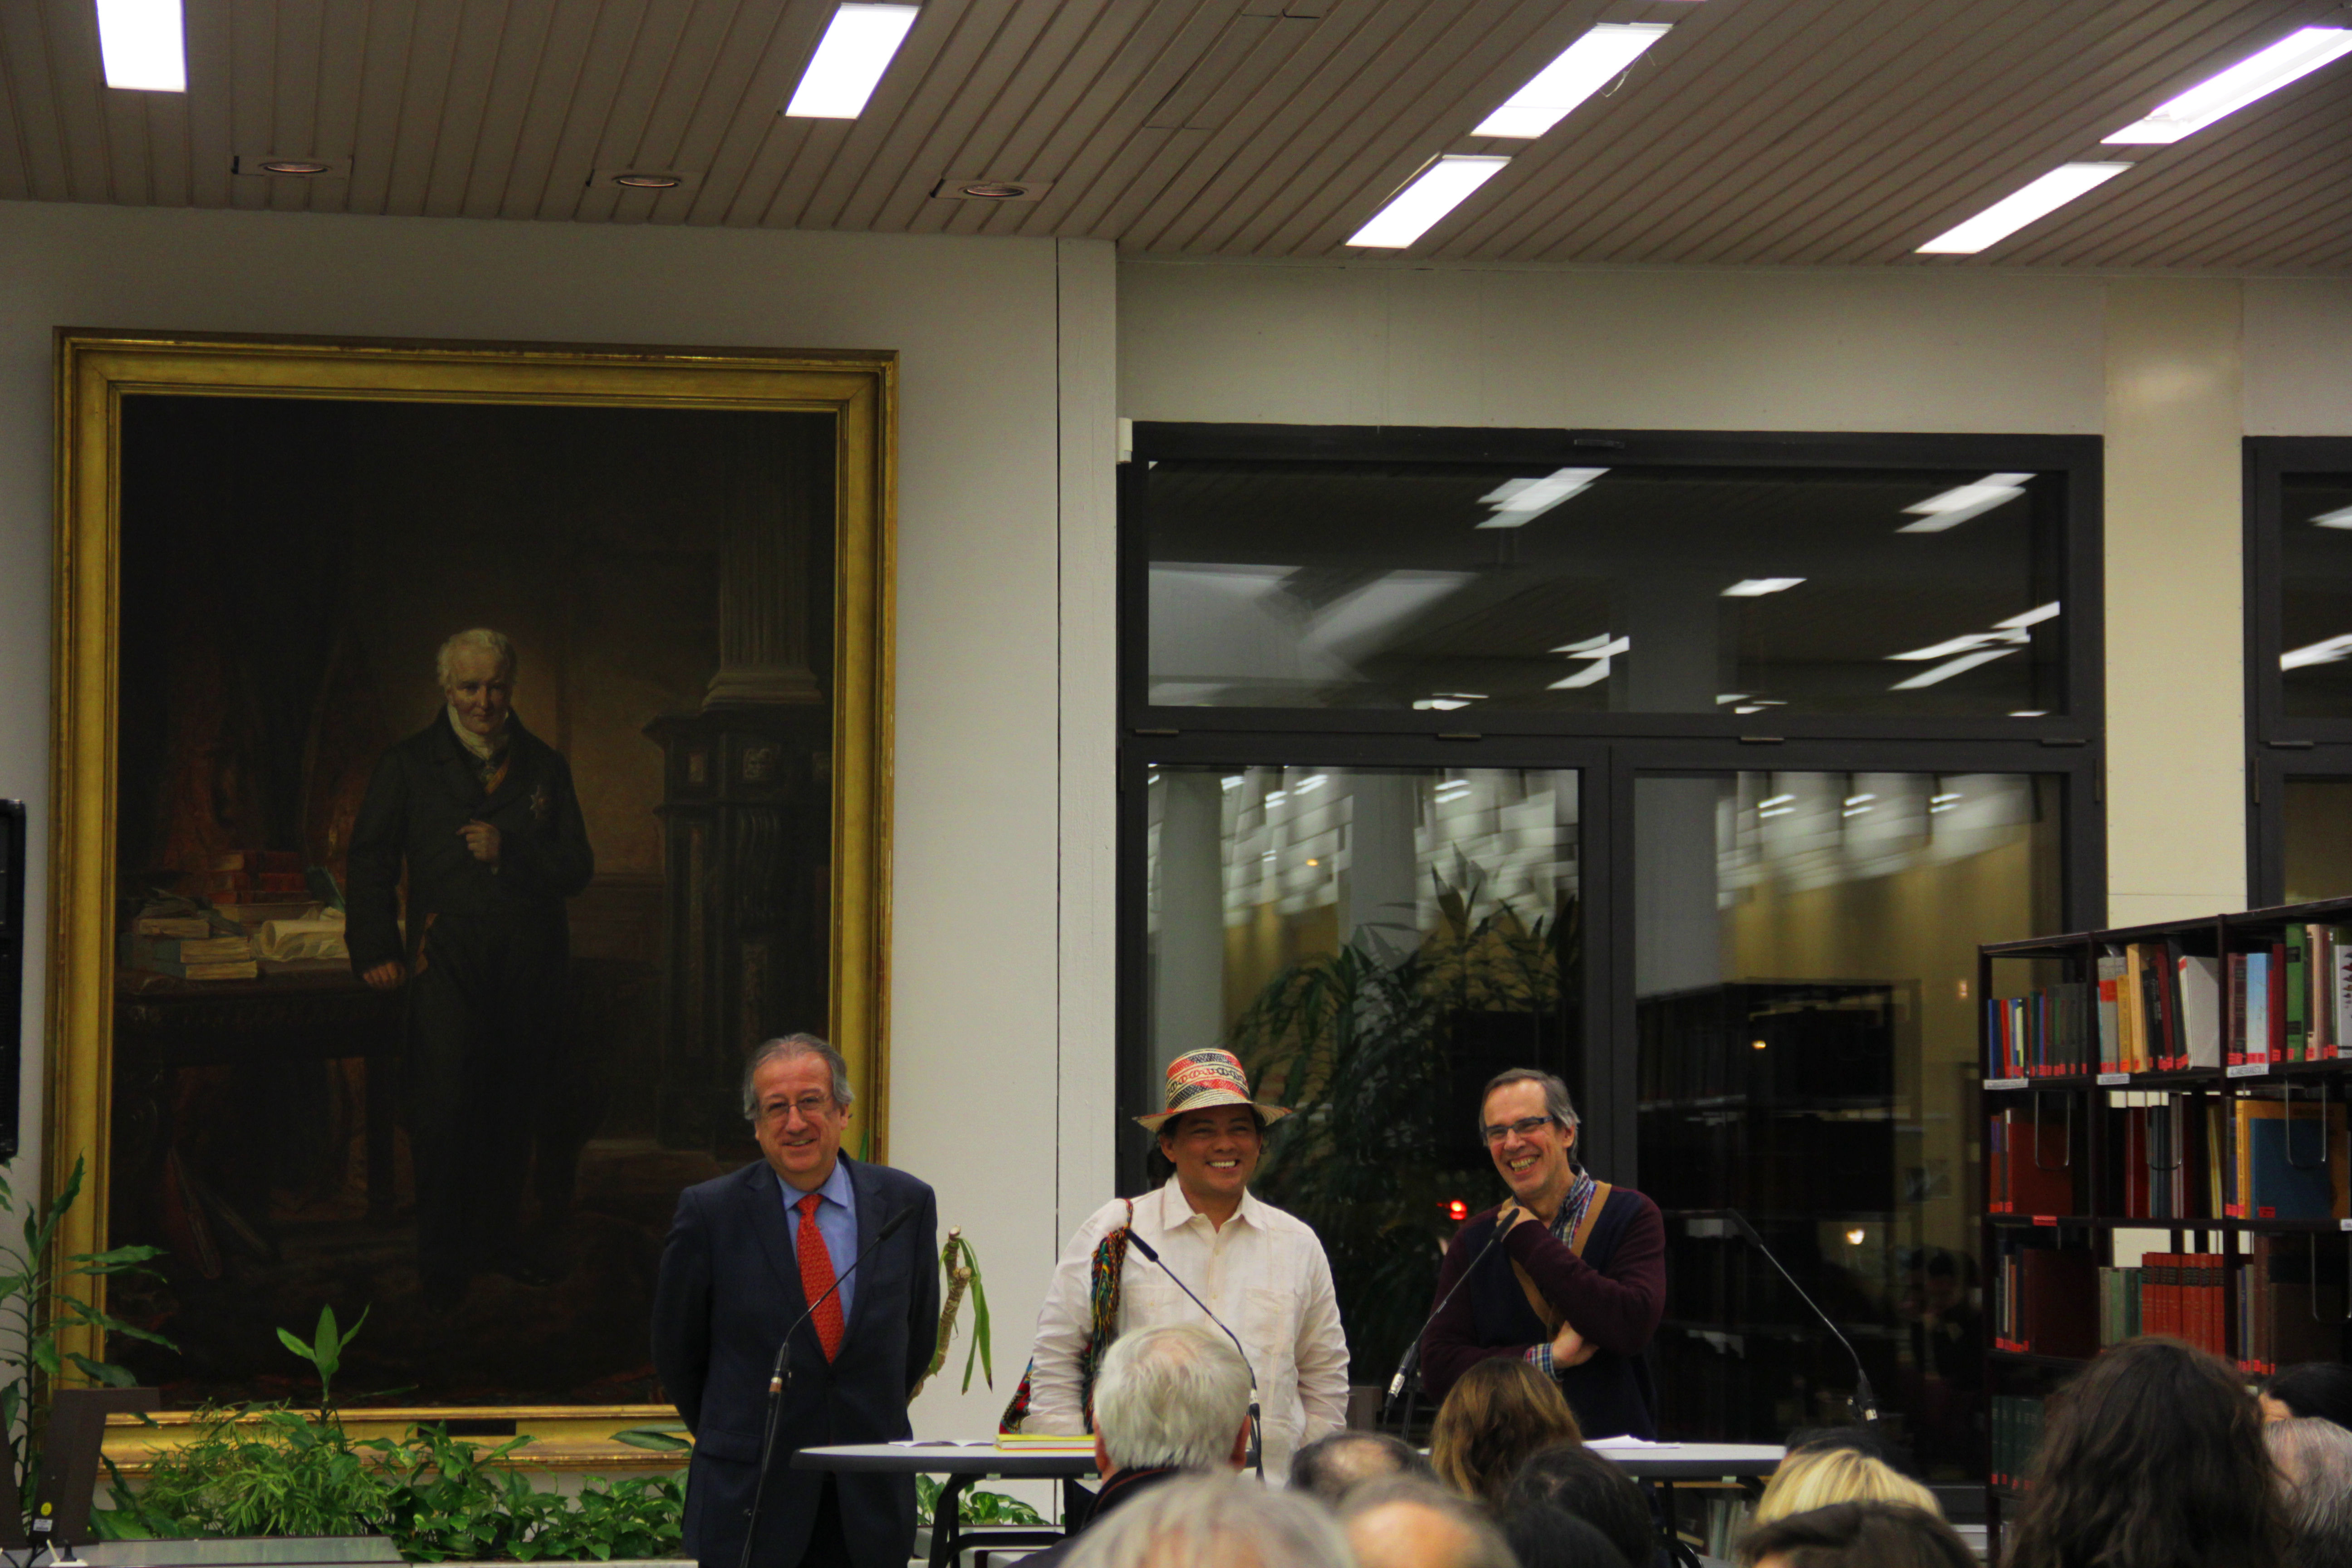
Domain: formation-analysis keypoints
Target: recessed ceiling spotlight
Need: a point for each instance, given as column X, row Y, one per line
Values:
column 292, row 165
column 647, row 179
column 956, row 190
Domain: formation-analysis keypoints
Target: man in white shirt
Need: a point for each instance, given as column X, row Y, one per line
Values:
column 1260, row 1270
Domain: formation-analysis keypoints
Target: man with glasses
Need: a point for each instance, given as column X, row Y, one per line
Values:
column 1578, row 1281
column 747, row 1256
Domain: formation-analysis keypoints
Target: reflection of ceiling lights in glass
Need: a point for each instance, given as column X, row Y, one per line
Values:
column 2340, row 517
column 1444, row 703
column 1575, row 74
column 1757, row 587
column 1974, row 647
column 2333, row 651
column 1437, row 190
column 858, row 48
column 1519, row 503
column 2020, row 208
column 2225, row 92
column 140, row 46
column 1601, row 650
column 1955, row 506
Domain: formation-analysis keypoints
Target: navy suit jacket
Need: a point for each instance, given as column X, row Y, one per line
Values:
column 729, row 1287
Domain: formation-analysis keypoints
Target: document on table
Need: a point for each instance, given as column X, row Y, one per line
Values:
column 1628, row 1443
column 943, row 1442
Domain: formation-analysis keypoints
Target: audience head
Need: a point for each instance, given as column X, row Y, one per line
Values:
column 1542, row 1536
column 1857, row 1535
column 1213, row 1521
column 1817, row 1478
column 1403, row 1523
column 1571, row 1477
column 2314, row 1460
column 1500, row 1412
column 2152, row 1456
column 1327, row 1468
column 1173, row 1396
column 1871, row 1438
column 2320, row 1388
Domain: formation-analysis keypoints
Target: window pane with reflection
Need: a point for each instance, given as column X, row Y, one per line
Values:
column 2316, row 595
column 1804, row 950
column 1374, row 946
column 2318, row 822
column 1439, row 586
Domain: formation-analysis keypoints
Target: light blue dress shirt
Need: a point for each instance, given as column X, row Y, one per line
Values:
column 836, row 1221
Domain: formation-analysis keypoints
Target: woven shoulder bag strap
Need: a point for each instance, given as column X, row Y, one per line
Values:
column 1108, row 1263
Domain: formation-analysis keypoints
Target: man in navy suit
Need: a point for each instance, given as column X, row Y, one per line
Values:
column 746, row 1256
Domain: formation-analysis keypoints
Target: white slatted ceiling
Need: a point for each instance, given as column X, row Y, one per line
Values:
column 1758, row 132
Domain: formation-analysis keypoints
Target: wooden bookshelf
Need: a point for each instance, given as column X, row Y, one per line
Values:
column 2095, row 1102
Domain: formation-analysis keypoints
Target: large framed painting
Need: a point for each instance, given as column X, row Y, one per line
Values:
column 464, row 753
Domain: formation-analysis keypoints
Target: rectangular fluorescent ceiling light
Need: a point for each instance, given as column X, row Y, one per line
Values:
column 2292, row 57
column 1519, row 503
column 1575, row 74
column 1967, row 661
column 1757, row 587
column 2014, row 212
column 140, row 43
column 1430, row 195
column 1961, row 502
column 850, row 62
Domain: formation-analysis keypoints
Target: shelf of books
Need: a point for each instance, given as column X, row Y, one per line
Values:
column 2164, row 1150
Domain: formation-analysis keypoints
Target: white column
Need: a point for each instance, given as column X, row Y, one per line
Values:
column 1188, row 1009
column 1380, row 890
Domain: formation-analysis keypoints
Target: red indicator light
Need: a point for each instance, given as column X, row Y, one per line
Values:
column 1457, row 1211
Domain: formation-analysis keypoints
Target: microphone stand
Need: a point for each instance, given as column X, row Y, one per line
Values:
column 1405, row 1367
column 1256, row 1458
column 779, row 1376
column 1865, row 1402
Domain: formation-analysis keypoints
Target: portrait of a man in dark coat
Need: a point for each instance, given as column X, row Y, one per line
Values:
column 482, row 816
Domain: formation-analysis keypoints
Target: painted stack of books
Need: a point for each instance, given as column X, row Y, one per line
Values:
column 188, row 946
column 250, row 885
column 2156, row 1008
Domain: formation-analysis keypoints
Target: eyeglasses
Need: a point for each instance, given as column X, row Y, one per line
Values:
column 1526, row 1127
column 810, row 1106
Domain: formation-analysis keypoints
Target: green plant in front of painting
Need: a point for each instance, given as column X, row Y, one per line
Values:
column 36, row 1304
column 1360, row 1040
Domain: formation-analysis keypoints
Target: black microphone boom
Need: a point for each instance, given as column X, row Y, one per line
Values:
column 1865, row 1402
column 1412, row 1352
column 1257, row 1459
column 781, row 1374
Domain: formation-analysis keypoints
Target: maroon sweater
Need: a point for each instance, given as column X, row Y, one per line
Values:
column 1614, row 1295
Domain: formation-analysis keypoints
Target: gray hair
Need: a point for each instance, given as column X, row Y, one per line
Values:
column 1557, row 1104
column 2315, row 1457
column 784, row 1048
column 1175, row 1395
column 1215, row 1521
column 480, row 637
column 1336, row 1463
column 1477, row 1543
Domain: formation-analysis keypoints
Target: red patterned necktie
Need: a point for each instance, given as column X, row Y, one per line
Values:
column 816, row 1278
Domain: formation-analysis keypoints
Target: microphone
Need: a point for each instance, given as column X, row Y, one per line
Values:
column 1256, row 1453
column 782, row 1374
column 1412, row 1352
column 1865, row 1402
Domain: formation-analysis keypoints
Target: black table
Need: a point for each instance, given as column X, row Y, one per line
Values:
column 963, row 1464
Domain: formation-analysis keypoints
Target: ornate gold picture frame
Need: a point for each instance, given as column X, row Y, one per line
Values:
column 261, row 543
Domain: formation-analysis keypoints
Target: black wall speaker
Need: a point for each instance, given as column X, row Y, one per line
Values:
column 12, row 967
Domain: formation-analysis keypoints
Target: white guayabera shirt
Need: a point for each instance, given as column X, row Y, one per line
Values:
column 1264, row 1273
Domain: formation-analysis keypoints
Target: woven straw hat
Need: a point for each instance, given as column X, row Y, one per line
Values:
column 1198, row 1081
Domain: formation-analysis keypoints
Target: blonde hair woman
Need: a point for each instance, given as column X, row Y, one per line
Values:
column 1823, row 1477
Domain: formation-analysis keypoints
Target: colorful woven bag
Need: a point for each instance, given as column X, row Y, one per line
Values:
column 1102, row 1326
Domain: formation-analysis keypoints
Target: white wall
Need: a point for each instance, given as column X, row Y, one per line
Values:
column 988, row 330
column 2154, row 365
